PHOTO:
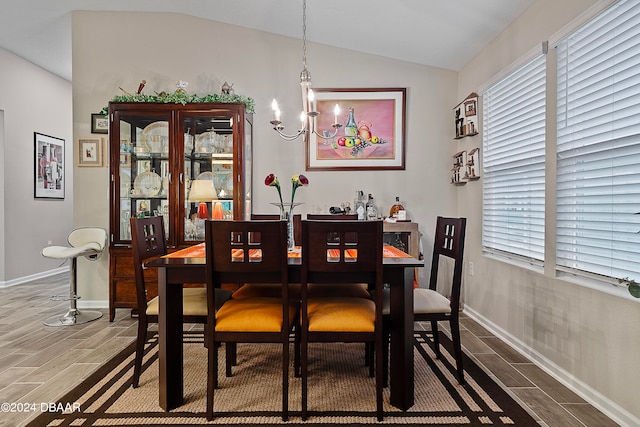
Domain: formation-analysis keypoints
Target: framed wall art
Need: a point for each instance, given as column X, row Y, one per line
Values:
column 90, row 151
column 99, row 123
column 49, row 175
column 372, row 136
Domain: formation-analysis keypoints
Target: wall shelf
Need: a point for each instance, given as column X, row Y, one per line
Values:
column 466, row 117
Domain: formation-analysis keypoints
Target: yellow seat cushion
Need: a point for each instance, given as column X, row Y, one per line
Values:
column 266, row 290
column 335, row 314
column 252, row 315
column 194, row 303
column 325, row 290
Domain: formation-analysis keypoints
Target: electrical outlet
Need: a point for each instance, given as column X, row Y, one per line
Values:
column 471, row 272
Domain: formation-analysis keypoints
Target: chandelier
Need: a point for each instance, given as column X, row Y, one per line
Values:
column 308, row 115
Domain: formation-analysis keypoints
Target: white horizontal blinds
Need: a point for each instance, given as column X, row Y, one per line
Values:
column 598, row 165
column 513, row 135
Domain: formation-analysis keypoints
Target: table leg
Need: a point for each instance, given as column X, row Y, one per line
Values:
column 170, row 355
column 401, row 375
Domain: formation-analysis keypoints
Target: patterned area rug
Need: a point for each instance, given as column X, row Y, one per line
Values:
column 340, row 392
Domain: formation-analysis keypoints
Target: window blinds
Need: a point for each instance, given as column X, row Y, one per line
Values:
column 598, row 147
column 513, row 135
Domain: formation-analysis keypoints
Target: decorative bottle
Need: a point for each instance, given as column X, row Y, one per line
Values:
column 359, row 205
column 397, row 206
column 372, row 212
column 351, row 128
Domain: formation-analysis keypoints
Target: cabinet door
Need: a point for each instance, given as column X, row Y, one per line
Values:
column 141, row 179
column 211, row 143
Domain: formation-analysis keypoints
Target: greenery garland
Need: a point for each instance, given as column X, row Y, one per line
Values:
column 183, row 98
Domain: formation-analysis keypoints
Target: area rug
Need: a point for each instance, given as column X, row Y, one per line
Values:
column 340, row 392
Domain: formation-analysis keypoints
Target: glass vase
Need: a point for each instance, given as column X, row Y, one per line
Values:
column 286, row 213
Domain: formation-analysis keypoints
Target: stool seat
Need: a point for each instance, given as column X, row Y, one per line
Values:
column 61, row 252
column 88, row 242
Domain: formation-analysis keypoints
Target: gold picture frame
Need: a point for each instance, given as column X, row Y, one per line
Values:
column 90, row 151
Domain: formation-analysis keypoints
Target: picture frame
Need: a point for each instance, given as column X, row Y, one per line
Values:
column 99, row 123
column 470, row 108
column 125, row 160
column 90, row 151
column 377, row 140
column 49, row 167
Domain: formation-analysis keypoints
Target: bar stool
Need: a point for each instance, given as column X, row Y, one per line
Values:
column 88, row 242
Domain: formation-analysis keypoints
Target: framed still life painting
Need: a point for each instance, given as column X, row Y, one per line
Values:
column 371, row 135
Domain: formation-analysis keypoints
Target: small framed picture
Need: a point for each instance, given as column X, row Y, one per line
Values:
column 125, row 160
column 90, row 151
column 99, row 123
column 470, row 108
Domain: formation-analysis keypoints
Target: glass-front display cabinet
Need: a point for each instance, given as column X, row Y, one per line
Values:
column 187, row 163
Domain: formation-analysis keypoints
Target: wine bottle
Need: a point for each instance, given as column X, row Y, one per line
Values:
column 351, row 128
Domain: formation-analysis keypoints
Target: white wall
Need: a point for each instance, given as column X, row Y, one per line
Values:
column 162, row 48
column 33, row 100
column 584, row 337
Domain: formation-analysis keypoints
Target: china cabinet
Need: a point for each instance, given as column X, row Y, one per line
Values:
column 184, row 162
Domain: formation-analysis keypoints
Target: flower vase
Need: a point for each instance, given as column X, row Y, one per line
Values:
column 286, row 213
column 291, row 244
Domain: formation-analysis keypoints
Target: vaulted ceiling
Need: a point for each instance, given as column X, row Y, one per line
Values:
column 439, row 33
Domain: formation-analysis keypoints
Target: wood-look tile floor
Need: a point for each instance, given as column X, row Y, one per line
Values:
column 39, row 364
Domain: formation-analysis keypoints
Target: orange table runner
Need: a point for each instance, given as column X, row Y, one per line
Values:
column 199, row 251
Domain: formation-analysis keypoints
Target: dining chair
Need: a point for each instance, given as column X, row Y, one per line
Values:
column 248, row 252
column 431, row 304
column 147, row 242
column 341, row 252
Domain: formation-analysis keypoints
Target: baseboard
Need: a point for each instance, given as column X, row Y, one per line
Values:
column 32, row 277
column 595, row 398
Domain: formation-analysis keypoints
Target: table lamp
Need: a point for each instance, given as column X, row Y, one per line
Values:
column 203, row 191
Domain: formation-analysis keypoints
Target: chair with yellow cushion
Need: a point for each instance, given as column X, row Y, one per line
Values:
column 341, row 252
column 248, row 252
column 147, row 242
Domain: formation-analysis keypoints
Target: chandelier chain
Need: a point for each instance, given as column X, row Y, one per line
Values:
column 304, row 33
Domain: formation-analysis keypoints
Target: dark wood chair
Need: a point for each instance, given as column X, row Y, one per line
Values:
column 248, row 252
column 431, row 304
column 147, row 242
column 341, row 252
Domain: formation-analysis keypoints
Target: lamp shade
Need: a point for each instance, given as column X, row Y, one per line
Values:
column 202, row 190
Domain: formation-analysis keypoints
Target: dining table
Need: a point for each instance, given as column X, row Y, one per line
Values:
column 188, row 266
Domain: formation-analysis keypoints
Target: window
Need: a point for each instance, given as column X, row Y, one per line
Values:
column 598, row 146
column 513, row 135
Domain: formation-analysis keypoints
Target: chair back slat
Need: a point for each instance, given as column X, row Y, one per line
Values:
column 449, row 242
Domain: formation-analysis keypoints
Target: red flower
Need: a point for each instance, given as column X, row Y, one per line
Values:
column 272, row 181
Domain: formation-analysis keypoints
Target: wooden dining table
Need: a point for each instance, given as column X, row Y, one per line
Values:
column 188, row 266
